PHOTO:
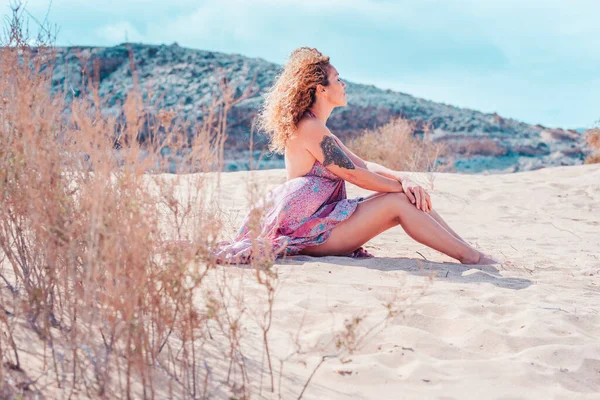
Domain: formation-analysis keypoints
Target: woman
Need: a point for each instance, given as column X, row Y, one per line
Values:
column 310, row 214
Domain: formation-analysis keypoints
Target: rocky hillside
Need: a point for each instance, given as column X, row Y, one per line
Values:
column 185, row 78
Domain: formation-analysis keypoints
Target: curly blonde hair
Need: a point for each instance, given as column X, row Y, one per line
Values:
column 292, row 93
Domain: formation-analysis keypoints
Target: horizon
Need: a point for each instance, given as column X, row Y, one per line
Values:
column 531, row 62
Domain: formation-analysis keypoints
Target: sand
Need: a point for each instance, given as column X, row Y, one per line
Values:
column 526, row 328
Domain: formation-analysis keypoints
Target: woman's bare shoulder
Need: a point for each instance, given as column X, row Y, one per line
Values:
column 310, row 130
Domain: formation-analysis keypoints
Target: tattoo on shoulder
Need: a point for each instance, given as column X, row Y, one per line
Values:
column 334, row 154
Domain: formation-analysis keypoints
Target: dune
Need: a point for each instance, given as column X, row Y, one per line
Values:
column 419, row 324
column 526, row 328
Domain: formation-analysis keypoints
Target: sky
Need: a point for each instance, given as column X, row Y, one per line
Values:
column 537, row 61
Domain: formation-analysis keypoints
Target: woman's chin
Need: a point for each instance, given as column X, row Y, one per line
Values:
column 342, row 103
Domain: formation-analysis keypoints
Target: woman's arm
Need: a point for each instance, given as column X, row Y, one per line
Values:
column 319, row 141
column 416, row 194
column 371, row 166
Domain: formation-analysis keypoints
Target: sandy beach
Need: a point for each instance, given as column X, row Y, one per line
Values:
column 527, row 328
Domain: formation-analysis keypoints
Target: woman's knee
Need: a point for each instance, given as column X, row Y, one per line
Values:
column 398, row 198
column 397, row 202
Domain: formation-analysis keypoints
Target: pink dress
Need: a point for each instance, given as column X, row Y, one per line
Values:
column 302, row 213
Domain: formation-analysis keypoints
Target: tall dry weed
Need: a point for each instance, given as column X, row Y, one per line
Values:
column 110, row 310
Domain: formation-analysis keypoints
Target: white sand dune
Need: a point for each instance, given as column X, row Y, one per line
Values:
column 529, row 328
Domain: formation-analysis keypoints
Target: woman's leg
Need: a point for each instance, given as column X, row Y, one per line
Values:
column 443, row 223
column 379, row 213
column 434, row 214
column 485, row 258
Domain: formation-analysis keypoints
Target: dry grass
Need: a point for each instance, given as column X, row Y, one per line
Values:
column 396, row 146
column 593, row 140
column 92, row 302
column 89, row 290
column 475, row 146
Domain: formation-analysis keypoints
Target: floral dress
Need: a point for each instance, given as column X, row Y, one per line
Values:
column 301, row 212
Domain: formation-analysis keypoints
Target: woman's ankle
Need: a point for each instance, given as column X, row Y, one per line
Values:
column 471, row 256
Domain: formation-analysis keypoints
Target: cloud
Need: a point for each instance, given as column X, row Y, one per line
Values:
column 119, row 32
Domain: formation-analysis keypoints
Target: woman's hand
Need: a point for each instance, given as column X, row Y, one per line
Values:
column 416, row 194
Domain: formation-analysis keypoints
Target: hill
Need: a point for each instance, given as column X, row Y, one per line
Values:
column 185, row 78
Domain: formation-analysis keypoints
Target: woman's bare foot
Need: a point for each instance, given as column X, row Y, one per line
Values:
column 487, row 259
column 480, row 259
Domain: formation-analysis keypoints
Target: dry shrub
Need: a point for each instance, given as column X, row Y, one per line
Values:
column 94, row 301
column 473, row 146
column 98, row 299
column 396, row 146
column 593, row 159
column 593, row 140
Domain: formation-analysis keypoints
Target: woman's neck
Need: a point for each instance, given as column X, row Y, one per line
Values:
column 321, row 111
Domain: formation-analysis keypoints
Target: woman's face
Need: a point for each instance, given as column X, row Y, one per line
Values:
column 335, row 93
